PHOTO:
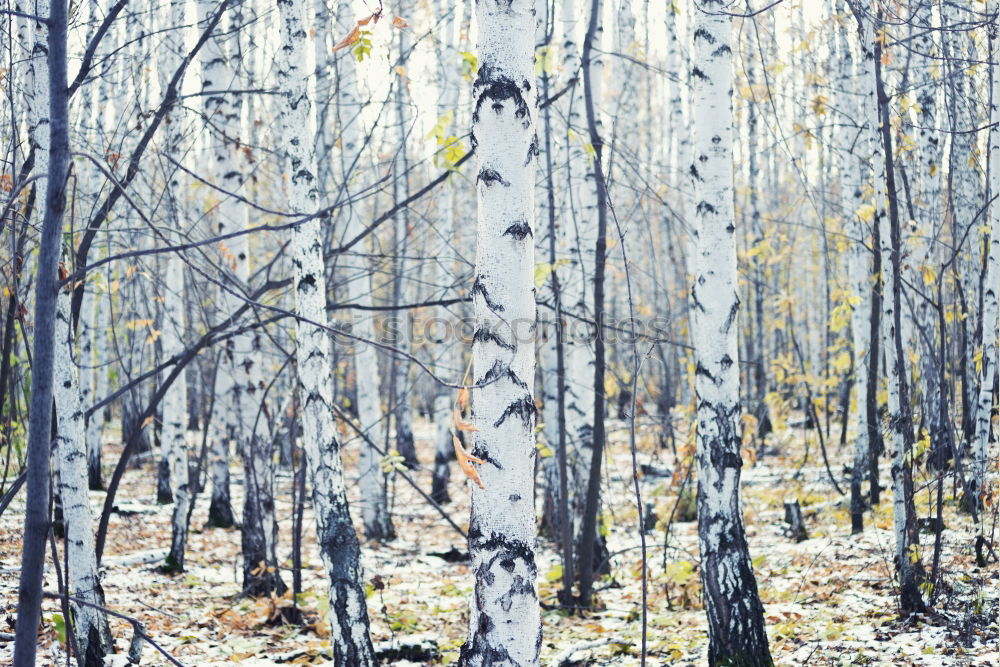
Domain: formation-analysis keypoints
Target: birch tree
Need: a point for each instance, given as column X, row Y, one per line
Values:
column 90, row 625
column 504, row 619
column 991, row 311
column 360, row 289
column 859, row 276
column 900, row 431
column 215, row 76
column 339, row 548
column 174, row 325
column 735, row 613
column 54, row 112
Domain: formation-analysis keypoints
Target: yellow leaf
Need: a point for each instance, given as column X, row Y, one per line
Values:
column 930, row 275
column 610, row 386
column 841, row 362
column 866, row 213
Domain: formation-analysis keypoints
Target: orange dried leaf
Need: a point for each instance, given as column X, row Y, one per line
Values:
column 350, row 39
column 463, row 398
column 465, row 461
column 399, row 22
column 463, row 425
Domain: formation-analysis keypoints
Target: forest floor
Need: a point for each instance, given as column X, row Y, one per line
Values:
column 829, row 600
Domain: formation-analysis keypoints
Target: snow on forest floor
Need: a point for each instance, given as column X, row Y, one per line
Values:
column 828, row 600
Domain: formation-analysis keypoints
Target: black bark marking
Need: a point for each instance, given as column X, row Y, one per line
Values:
column 695, row 71
column 481, row 452
column 486, row 336
column 490, row 176
column 524, row 408
column 705, row 35
column 532, row 150
column 704, row 207
column 694, row 296
column 520, row 586
column 479, row 288
column 701, row 369
column 498, row 88
column 519, row 230
column 502, row 369
column 733, row 311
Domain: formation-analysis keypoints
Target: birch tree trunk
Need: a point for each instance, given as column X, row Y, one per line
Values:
column 339, row 548
column 55, row 114
column 921, row 249
column 371, row 479
column 504, row 619
column 90, row 625
column 447, row 356
column 173, row 325
column 900, row 428
column 402, row 389
column 216, row 76
column 259, row 532
column 575, row 244
column 98, row 379
column 991, row 311
column 735, row 614
column 175, row 415
column 859, row 277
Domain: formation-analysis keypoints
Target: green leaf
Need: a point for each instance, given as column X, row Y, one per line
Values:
column 59, row 623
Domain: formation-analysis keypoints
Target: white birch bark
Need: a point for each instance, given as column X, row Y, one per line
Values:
column 991, row 310
column 85, row 119
column 402, row 394
column 735, row 613
column 580, row 241
column 859, row 274
column 38, row 103
column 90, row 625
column 216, row 75
column 173, row 325
column 339, row 546
column 907, row 556
column 966, row 179
column 97, row 374
column 371, row 478
column 447, row 359
column 173, row 434
column 921, row 248
column 504, row 620
column 373, row 421
column 570, row 164
column 259, row 532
